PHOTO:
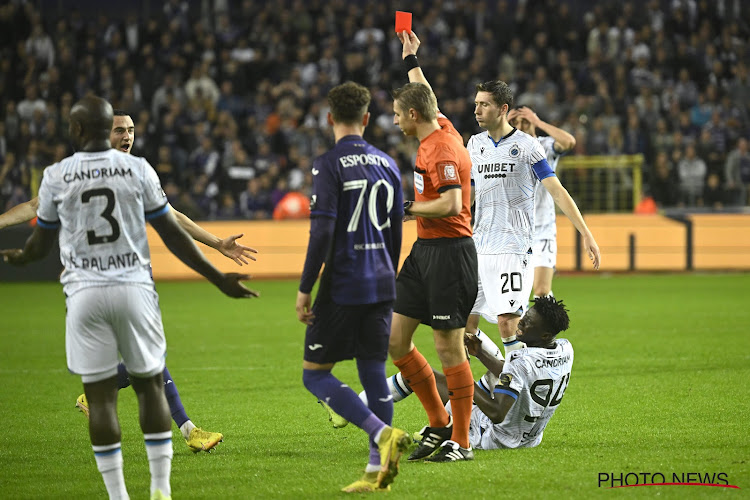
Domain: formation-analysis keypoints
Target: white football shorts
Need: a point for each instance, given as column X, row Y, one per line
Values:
column 480, row 430
column 545, row 251
column 505, row 283
column 104, row 321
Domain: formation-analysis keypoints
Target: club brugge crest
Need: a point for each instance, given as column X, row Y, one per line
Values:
column 514, row 151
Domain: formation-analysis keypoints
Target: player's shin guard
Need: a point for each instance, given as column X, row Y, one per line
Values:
column 417, row 372
column 461, row 394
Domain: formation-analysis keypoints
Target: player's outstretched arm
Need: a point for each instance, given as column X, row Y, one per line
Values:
column 568, row 206
column 37, row 247
column 227, row 246
column 179, row 243
column 411, row 44
column 20, row 213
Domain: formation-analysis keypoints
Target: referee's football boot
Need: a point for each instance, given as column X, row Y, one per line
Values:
column 432, row 438
column 451, row 451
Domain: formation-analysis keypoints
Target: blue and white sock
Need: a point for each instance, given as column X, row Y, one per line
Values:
column 399, row 389
column 109, row 462
column 159, row 452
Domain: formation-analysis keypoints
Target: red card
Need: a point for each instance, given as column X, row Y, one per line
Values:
column 403, row 21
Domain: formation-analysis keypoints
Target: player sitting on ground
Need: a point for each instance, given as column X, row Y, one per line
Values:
column 532, row 381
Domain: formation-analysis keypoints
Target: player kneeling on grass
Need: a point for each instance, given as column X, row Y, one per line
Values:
column 532, row 381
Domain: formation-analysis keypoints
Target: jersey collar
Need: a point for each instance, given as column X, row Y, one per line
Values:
column 501, row 139
column 350, row 138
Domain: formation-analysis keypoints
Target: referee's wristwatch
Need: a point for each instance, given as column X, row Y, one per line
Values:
column 407, row 207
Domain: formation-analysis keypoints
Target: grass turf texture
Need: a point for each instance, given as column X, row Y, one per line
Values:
column 659, row 385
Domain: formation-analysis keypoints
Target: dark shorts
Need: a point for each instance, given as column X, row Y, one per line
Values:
column 438, row 282
column 342, row 332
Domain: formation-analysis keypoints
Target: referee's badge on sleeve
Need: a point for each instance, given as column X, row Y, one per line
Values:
column 447, row 172
column 418, row 182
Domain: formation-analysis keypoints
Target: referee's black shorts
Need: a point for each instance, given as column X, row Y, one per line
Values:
column 438, row 282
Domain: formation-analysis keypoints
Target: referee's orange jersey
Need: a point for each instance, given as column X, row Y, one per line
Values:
column 443, row 163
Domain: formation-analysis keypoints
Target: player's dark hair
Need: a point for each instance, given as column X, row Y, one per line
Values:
column 501, row 92
column 120, row 112
column 554, row 313
column 349, row 102
column 419, row 97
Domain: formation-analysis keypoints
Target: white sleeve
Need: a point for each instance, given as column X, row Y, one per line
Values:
column 47, row 216
column 154, row 198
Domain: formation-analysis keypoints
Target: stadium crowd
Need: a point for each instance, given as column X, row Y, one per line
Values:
column 229, row 98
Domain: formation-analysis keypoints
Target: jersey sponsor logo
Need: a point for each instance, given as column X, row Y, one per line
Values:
column 496, row 167
column 363, row 159
column 447, row 172
column 552, row 363
column 481, row 150
column 314, row 347
column 441, row 316
column 514, row 151
column 418, row 182
column 97, row 173
column 512, row 303
column 315, row 171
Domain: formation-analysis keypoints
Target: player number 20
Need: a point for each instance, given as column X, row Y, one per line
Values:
column 512, row 279
column 372, row 208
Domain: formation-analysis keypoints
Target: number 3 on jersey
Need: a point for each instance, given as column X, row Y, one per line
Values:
column 372, row 207
column 106, row 215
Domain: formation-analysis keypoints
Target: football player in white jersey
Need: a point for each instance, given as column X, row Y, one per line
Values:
column 99, row 198
column 556, row 143
column 122, row 138
column 532, row 381
column 507, row 164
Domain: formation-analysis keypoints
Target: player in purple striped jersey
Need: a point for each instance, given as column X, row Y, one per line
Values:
column 356, row 213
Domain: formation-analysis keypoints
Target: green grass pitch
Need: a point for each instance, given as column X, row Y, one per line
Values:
column 660, row 384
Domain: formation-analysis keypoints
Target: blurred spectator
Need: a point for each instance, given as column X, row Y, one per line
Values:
column 254, row 202
column 691, row 171
column 664, row 183
column 713, row 194
column 737, row 173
